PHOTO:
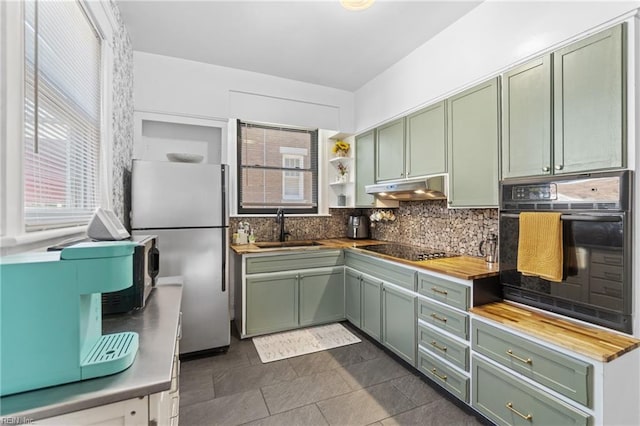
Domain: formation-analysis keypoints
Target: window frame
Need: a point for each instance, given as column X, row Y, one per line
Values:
column 79, row 184
column 314, row 167
column 13, row 236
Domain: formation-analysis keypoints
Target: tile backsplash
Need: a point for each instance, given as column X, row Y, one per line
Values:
column 300, row 228
column 422, row 223
column 431, row 224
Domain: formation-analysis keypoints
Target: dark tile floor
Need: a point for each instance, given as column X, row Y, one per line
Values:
column 359, row 384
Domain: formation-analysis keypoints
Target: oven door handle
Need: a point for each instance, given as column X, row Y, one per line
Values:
column 576, row 217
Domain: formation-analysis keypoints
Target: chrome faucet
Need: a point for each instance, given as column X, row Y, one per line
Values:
column 280, row 221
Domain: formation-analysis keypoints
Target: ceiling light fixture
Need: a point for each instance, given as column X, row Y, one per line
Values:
column 356, row 4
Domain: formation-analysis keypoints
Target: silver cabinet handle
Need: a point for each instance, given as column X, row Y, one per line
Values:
column 545, row 169
column 559, row 166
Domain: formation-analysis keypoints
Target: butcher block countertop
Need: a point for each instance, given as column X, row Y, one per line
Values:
column 464, row 267
column 592, row 342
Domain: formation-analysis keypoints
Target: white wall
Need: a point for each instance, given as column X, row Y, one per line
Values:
column 491, row 38
column 176, row 86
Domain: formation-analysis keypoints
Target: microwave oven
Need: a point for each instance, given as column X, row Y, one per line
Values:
column 146, row 262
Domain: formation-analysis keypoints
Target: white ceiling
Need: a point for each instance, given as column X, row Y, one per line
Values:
column 312, row 41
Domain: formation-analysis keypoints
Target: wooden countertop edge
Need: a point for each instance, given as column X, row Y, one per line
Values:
column 570, row 335
column 473, row 268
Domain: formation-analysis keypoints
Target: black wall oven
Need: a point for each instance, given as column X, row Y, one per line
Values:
column 596, row 226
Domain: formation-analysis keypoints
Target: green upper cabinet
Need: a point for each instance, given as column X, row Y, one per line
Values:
column 365, row 171
column 588, row 103
column 390, row 151
column 526, row 120
column 473, row 135
column 426, row 143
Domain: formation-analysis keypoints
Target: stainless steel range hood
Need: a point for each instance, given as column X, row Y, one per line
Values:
column 431, row 188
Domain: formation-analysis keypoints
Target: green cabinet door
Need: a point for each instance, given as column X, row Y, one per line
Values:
column 272, row 303
column 321, row 296
column 390, row 151
column 370, row 308
column 473, row 133
column 352, row 296
column 399, row 323
column 526, row 121
column 426, row 143
column 588, row 101
column 365, row 168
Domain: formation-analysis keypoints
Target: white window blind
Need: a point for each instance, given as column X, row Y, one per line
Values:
column 62, row 115
column 277, row 168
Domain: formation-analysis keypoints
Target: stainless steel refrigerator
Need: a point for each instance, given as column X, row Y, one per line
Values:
column 185, row 205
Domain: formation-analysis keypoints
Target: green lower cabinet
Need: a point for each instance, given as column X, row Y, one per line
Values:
column 508, row 400
column 370, row 308
column 399, row 323
column 566, row 375
column 352, row 296
column 272, row 303
column 454, row 382
column 321, row 296
column 444, row 347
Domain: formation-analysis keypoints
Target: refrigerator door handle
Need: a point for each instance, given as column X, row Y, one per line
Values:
column 223, row 190
column 225, row 252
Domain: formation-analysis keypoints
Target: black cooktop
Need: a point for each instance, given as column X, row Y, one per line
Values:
column 407, row 252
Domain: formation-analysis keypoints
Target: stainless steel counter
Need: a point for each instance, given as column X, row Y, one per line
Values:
column 157, row 326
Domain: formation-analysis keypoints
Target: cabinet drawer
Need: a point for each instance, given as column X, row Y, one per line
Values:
column 385, row 271
column 457, row 384
column 507, row 400
column 293, row 261
column 456, row 323
column 445, row 291
column 565, row 375
column 444, row 347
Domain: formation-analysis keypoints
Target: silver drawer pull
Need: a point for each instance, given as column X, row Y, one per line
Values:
column 439, row 318
column 435, row 345
column 437, row 290
column 527, row 417
column 435, row 373
column 524, row 361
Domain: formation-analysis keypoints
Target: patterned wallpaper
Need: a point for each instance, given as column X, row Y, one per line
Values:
column 421, row 223
column 122, row 124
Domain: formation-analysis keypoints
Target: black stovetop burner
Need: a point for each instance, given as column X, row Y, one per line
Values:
column 407, row 252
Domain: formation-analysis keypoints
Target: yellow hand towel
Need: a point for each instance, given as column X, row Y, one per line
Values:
column 540, row 245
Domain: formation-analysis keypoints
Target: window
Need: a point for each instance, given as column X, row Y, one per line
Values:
column 62, row 115
column 292, row 181
column 277, row 167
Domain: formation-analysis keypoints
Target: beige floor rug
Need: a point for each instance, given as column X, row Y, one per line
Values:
column 288, row 344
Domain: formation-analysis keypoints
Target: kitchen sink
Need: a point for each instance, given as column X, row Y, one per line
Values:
column 287, row 244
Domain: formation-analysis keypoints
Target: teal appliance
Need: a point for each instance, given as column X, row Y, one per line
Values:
column 51, row 315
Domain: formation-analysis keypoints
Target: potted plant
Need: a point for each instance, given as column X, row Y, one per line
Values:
column 341, row 148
